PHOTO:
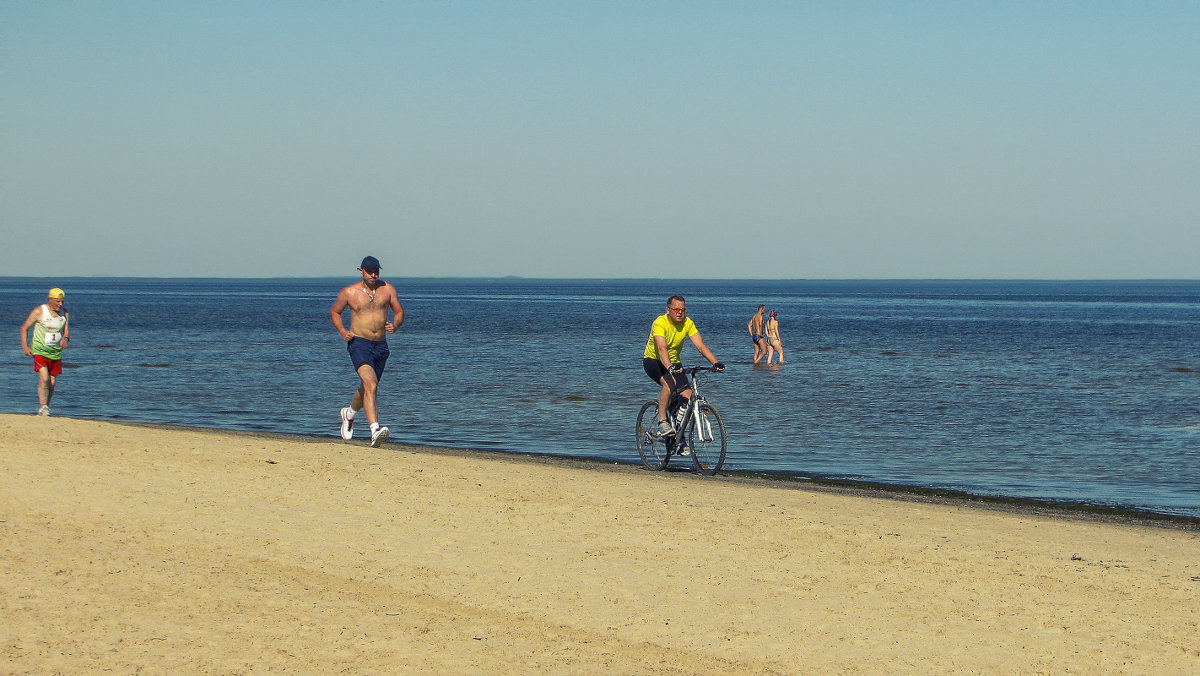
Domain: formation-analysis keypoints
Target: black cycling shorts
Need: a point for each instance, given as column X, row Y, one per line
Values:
column 657, row 372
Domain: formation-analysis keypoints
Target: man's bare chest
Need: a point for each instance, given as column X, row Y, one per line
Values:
column 365, row 300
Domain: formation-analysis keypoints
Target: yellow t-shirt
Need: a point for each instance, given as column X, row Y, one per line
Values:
column 663, row 327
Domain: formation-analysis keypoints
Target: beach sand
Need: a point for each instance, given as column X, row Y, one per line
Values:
column 171, row 550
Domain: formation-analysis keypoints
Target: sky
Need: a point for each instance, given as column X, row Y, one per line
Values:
column 756, row 140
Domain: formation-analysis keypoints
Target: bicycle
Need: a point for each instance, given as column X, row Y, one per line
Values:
column 699, row 434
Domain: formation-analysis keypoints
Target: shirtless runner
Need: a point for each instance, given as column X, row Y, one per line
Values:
column 366, row 340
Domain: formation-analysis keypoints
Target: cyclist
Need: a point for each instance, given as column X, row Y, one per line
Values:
column 661, row 358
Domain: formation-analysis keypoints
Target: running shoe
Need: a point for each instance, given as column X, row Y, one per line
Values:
column 44, row 411
column 347, row 424
column 685, row 451
column 379, row 436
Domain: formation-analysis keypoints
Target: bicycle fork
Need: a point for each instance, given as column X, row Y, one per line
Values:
column 701, row 424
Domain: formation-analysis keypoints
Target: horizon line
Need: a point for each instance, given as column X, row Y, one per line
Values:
column 633, row 279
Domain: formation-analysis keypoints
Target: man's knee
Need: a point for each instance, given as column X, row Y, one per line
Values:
column 370, row 382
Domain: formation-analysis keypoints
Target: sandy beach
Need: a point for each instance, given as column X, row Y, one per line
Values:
column 132, row 548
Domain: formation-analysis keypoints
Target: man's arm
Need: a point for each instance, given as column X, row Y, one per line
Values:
column 397, row 313
column 335, row 315
column 664, row 357
column 33, row 317
column 702, row 348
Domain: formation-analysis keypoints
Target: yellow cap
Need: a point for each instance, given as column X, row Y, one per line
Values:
column 57, row 293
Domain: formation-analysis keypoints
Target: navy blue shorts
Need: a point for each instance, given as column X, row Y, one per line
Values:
column 373, row 352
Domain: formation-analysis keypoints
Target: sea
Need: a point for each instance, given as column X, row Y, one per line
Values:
column 1080, row 393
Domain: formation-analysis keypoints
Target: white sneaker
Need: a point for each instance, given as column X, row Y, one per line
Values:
column 44, row 411
column 347, row 424
column 379, row 436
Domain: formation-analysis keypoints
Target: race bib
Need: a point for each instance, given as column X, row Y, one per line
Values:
column 52, row 338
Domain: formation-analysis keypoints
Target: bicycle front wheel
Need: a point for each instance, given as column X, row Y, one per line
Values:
column 651, row 447
column 706, row 436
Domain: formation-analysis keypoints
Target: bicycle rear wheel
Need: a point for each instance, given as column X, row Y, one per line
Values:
column 706, row 436
column 651, row 447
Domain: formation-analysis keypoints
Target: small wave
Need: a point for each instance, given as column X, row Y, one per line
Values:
column 153, row 366
column 1192, row 428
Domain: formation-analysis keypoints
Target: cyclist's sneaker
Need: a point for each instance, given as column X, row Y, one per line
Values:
column 665, row 429
column 685, row 451
column 379, row 436
column 44, row 411
column 347, row 424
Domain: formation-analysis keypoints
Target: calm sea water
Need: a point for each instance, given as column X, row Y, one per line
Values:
column 1073, row 391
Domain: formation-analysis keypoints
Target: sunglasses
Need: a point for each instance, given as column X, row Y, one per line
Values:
column 677, row 309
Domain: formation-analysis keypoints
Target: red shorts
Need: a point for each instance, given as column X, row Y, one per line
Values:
column 40, row 362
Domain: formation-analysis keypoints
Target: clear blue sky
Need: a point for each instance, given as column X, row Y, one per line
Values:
column 591, row 139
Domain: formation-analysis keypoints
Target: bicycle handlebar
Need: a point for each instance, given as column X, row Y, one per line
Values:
column 690, row 373
column 693, row 370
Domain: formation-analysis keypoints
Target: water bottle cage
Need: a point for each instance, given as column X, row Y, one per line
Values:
column 677, row 416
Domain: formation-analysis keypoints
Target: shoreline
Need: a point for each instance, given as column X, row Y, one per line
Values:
column 1063, row 509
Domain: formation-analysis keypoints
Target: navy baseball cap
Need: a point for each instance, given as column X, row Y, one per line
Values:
column 370, row 263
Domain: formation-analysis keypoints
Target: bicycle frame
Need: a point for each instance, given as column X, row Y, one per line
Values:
column 691, row 416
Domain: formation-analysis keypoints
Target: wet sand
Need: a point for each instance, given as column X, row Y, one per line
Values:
column 129, row 548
